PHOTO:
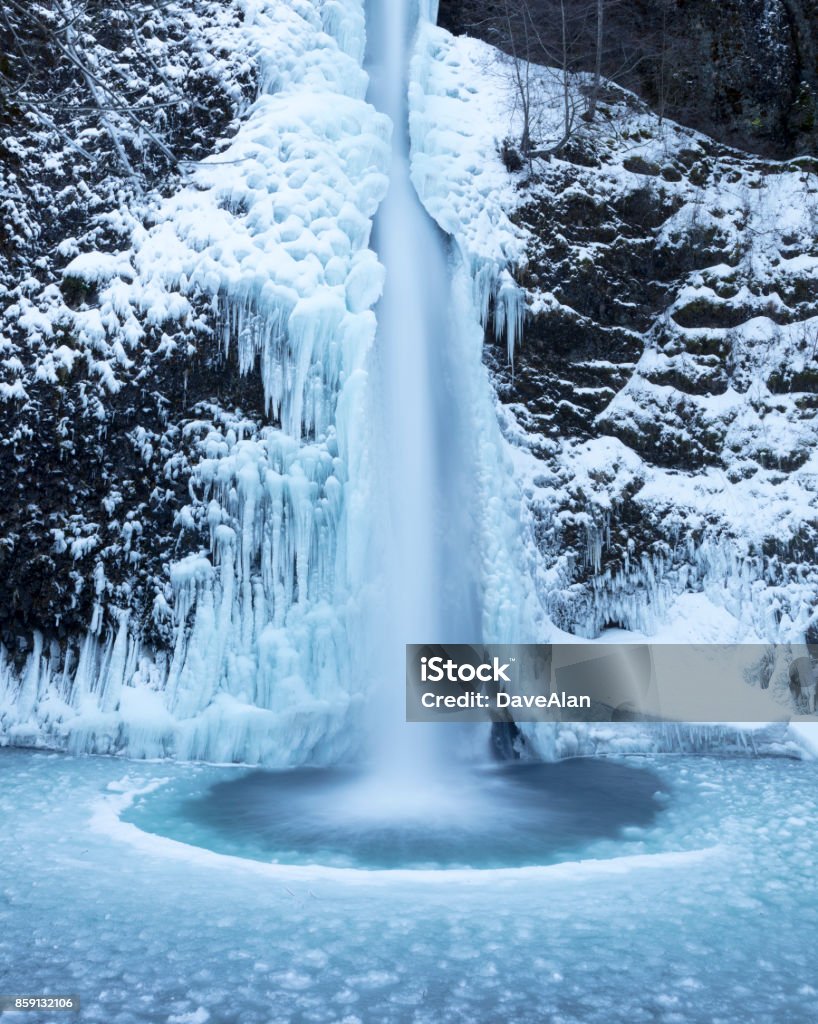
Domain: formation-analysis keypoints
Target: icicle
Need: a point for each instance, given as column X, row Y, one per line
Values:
column 30, row 689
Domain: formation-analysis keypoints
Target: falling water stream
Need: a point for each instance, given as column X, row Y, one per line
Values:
column 426, row 430
column 431, row 594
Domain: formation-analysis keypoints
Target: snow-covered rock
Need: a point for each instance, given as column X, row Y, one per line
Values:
column 258, row 266
column 661, row 405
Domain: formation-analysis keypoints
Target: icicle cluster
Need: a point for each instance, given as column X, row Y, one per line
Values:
column 275, row 230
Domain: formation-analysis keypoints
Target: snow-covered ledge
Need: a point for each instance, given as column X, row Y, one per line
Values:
column 456, row 112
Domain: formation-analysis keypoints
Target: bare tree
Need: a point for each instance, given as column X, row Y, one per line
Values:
column 90, row 83
column 600, row 36
column 534, row 66
column 517, row 10
column 745, row 73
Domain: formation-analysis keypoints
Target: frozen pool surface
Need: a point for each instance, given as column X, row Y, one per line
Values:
column 705, row 912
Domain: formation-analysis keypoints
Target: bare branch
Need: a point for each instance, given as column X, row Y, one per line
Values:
column 109, row 128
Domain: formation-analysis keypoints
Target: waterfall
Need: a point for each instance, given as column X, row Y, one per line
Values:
column 427, row 450
column 426, row 444
column 369, row 499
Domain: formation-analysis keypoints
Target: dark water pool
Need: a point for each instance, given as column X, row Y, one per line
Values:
column 510, row 816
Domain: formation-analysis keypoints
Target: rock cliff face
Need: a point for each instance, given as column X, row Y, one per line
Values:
column 663, row 398
column 669, row 376
column 743, row 71
column 93, row 442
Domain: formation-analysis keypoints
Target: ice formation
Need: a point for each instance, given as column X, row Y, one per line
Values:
column 275, row 230
column 273, row 622
column 468, row 195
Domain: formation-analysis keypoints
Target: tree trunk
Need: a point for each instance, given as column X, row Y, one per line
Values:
column 600, row 32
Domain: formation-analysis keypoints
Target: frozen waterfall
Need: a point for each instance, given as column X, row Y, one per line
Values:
column 375, row 501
